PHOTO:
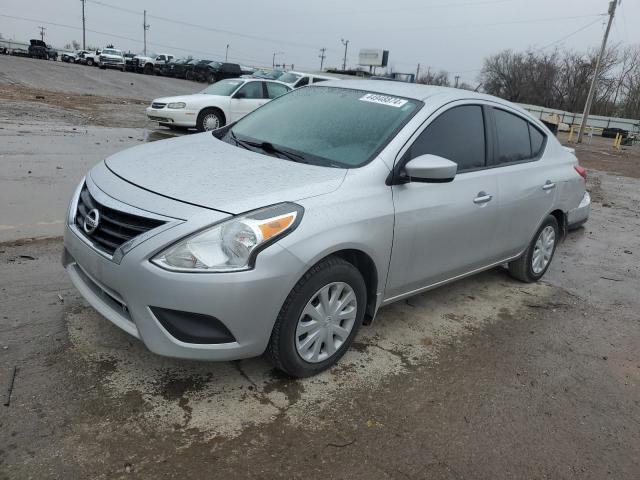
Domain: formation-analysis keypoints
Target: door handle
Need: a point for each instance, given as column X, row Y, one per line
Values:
column 482, row 198
column 548, row 185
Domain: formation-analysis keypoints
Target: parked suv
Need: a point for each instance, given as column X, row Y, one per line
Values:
column 39, row 49
column 211, row 72
column 284, row 232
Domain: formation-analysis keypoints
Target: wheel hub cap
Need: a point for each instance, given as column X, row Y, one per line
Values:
column 326, row 322
column 211, row 122
column 543, row 249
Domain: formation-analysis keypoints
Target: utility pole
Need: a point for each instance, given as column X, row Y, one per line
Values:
column 322, row 56
column 273, row 62
column 42, row 29
column 84, row 36
column 594, row 81
column 145, row 27
column 346, row 45
column 418, row 73
column 457, row 77
column 226, row 53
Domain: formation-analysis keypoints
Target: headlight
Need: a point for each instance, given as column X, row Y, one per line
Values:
column 231, row 245
column 177, row 105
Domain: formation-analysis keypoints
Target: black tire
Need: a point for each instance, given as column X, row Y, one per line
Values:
column 90, row 62
column 281, row 351
column 211, row 78
column 522, row 268
column 188, row 75
column 206, row 112
column 148, row 69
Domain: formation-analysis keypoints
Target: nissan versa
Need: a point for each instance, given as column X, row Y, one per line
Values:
column 285, row 231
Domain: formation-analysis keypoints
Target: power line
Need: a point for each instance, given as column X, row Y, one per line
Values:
column 484, row 25
column 208, row 28
column 597, row 20
column 400, row 9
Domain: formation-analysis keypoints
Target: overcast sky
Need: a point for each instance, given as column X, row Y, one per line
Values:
column 454, row 35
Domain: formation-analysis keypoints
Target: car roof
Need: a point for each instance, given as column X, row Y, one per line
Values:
column 415, row 91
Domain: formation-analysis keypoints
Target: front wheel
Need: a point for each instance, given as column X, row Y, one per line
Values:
column 535, row 260
column 90, row 62
column 319, row 319
column 209, row 119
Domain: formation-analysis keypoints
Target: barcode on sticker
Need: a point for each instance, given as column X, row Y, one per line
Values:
column 383, row 99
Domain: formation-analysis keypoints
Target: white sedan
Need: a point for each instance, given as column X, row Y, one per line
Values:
column 217, row 105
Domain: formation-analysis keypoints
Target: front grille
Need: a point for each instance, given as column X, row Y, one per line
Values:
column 114, row 227
column 158, row 105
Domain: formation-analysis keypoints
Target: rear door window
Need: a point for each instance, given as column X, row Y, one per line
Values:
column 252, row 90
column 457, row 135
column 275, row 89
column 302, row 82
column 514, row 142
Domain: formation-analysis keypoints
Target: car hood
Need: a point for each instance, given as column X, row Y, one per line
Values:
column 109, row 55
column 196, row 98
column 201, row 170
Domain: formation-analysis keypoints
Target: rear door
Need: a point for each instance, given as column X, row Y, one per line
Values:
column 249, row 97
column 446, row 229
column 527, row 182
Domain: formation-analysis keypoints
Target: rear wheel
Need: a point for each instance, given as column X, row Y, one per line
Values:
column 535, row 261
column 209, row 119
column 148, row 69
column 90, row 62
column 319, row 319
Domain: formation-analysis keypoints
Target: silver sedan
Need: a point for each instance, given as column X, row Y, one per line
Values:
column 286, row 231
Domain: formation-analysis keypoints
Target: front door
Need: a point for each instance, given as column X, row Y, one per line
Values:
column 443, row 230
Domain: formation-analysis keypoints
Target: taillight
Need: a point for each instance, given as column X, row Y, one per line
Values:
column 581, row 171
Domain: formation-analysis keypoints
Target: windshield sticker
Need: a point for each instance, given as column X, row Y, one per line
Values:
column 383, row 100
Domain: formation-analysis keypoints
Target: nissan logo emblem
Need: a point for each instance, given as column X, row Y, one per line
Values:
column 91, row 221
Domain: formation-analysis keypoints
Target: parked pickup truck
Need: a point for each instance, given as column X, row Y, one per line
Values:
column 39, row 49
column 147, row 65
column 90, row 58
column 111, row 58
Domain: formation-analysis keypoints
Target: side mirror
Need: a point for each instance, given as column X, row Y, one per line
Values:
column 430, row 169
column 240, row 95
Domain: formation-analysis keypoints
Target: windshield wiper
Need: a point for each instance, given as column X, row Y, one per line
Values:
column 269, row 148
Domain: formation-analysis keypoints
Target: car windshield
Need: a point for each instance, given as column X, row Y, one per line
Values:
column 325, row 125
column 215, row 64
column 223, row 88
column 110, row 51
column 289, row 77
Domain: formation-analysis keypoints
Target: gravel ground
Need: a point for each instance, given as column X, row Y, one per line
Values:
column 486, row 378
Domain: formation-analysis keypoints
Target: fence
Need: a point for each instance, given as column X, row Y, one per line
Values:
column 595, row 122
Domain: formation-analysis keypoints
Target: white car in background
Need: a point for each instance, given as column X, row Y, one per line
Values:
column 300, row 79
column 217, row 105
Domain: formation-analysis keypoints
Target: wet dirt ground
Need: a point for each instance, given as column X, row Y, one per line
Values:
column 486, row 378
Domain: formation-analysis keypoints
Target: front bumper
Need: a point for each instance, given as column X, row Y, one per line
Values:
column 247, row 303
column 168, row 116
column 580, row 214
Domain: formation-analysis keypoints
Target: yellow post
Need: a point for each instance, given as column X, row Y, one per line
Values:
column 570, row 134
column 617, row 141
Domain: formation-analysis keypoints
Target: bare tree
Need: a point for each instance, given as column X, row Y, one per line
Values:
column 440, row 78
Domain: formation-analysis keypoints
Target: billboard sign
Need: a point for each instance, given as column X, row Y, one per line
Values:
column 373, row 57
